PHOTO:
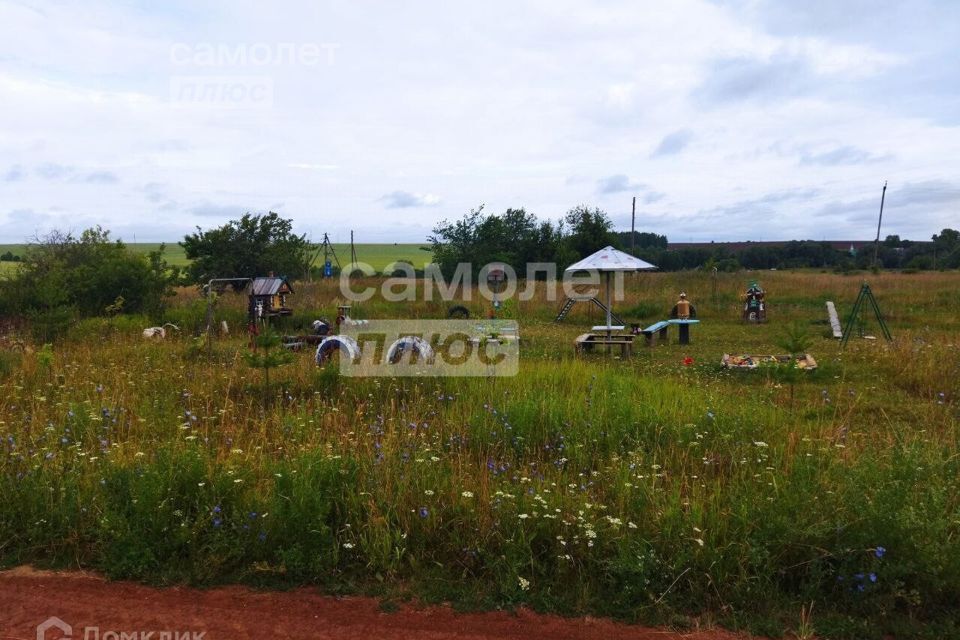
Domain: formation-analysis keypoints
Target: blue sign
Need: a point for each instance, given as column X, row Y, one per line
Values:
column 327, row 269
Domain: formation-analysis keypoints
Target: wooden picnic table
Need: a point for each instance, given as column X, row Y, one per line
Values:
column 587, row 341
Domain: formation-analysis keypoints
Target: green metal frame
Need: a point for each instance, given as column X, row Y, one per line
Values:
column 865, row 294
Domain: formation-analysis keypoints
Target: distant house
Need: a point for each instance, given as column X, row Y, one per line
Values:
column 268, row 298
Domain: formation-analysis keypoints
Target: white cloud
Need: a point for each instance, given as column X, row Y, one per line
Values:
column 405, row 199
column 712, row 105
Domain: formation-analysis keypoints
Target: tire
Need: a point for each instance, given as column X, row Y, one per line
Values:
column 458, row 312
column 342, row 346
column 418, row 348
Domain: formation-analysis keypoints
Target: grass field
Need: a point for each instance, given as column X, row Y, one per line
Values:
column 647, row 489
column 376, row 255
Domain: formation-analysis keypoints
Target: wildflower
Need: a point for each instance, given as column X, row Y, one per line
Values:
column 428, row 492
column 687, row 361
column 879, row 551
column 760, row 443
column 523, row 516
column 524, row 583
column 424, row 512
column 348, row 545
column 467, row 494
column 873, row 577
column 217, row 522
column 217, row 509
column 262, row 536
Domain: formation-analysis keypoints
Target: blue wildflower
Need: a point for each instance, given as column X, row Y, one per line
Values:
column 424, row 512
column 873, row 577
column 879, row 551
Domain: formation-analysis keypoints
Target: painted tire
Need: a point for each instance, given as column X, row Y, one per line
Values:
column 410, row 344
column 460, row 312
column 337, row 344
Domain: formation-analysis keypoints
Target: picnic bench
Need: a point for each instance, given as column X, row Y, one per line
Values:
column 658, row 330
column 587, row 342
column 683, row 328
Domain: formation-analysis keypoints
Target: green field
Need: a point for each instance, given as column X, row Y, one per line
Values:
column 376, row 255
column 661, row 489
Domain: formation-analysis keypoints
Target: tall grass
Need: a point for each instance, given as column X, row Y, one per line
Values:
column 644, row 489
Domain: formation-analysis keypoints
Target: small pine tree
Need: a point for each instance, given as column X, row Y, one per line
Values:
column 267, row 354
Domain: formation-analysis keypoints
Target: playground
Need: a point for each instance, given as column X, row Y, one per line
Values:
column 671, row 490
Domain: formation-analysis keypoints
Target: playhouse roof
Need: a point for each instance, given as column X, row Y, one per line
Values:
column 610, row 259
column 269, row 286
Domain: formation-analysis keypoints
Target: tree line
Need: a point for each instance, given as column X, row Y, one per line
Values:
column 62, row 278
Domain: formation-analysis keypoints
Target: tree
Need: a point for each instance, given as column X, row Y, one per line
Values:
column 643, row 240
column 63, row 278
column 947, row 247
column 514, row 237
column 947, row 240
column 590, row 230
column 251, row 246
column 267, row 354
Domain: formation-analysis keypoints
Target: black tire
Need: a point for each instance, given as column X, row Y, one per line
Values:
column 458, row 312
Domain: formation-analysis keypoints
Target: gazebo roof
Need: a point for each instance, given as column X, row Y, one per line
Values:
column 610, row 259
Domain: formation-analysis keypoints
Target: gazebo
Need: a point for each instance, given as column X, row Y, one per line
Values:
column 609, row 260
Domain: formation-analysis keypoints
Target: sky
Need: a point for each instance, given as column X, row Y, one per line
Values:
column 741, row 120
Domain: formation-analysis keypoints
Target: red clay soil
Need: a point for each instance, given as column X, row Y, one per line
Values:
column 84, row 601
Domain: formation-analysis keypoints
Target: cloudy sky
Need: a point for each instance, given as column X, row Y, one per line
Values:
column 727, row 120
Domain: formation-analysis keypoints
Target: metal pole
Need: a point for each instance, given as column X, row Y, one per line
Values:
column 633, row 233
column 609, row 314
column 876, row 244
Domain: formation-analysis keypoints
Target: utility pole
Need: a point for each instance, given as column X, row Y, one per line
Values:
column 633, row 233
column 876, row 244
column 353, row 250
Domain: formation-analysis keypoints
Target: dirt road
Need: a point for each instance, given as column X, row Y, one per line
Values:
column 87, row 602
